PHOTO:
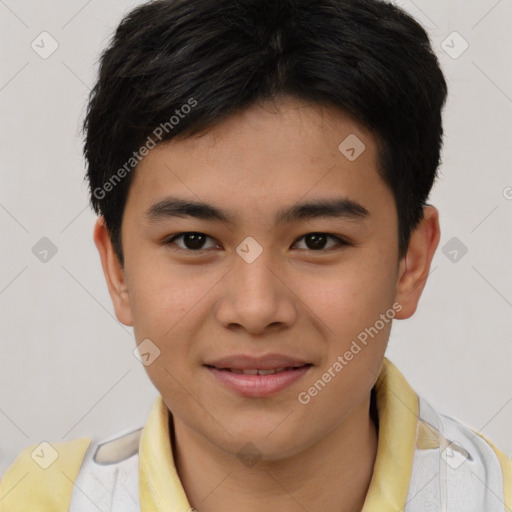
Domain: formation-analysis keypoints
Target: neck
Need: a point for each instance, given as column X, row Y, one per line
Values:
column 332, row 474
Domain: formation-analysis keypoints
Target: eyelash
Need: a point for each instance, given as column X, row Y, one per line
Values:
column 341, row 242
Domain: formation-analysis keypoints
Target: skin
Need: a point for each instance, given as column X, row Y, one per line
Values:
column 292, row 300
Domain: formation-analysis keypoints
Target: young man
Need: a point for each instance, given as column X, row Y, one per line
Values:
column 261, row 170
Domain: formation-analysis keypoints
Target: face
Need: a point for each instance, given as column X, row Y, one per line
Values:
column 294, row 264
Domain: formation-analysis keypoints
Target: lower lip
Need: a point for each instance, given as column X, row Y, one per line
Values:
column 259, row 385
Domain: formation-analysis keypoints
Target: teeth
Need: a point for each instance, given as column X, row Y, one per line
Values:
column 270, row 372
column 254, row 371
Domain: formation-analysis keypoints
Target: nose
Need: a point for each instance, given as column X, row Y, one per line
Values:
column 256, row 297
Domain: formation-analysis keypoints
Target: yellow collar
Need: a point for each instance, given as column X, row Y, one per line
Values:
column 397, row 404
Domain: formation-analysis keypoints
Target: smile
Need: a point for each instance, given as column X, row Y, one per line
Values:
column 254, row 371
column 256, row 382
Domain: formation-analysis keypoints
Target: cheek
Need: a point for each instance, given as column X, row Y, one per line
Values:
column 166, row 301
column 349, row 297
column 162, row 296
column 350, row 306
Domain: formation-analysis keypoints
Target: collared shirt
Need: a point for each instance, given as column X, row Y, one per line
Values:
column 425, row 462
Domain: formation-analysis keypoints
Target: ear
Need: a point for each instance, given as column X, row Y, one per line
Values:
column 415, row 265
column 114, row 273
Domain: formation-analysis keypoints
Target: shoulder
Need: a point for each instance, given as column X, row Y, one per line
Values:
column 457, row 466
column 109, row 477
column 486, row 466
column 42, row 474
column 55, row 476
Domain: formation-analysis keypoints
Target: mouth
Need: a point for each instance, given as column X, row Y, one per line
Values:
column 259, row 371
column 258, row 378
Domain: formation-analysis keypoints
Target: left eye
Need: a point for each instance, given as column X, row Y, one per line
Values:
column 194, row 242
column 317, row 241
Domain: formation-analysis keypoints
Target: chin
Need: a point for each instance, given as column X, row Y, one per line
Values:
column 261, row 444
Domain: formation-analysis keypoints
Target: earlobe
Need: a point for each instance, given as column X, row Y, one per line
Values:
column 415, row 265
column 114, row 273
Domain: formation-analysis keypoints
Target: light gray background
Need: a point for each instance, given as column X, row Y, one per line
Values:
column 66, row 364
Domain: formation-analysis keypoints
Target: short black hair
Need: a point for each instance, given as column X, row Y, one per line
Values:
column 179, row 67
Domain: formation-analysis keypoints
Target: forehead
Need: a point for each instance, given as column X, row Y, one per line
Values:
column 267, row 156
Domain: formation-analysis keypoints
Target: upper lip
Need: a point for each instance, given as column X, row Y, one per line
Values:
column 266, row 362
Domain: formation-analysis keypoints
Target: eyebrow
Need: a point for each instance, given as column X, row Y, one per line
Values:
column 338, row 208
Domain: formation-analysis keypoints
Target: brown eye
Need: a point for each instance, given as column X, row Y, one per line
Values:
column 318, row 241
column 191, row 241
